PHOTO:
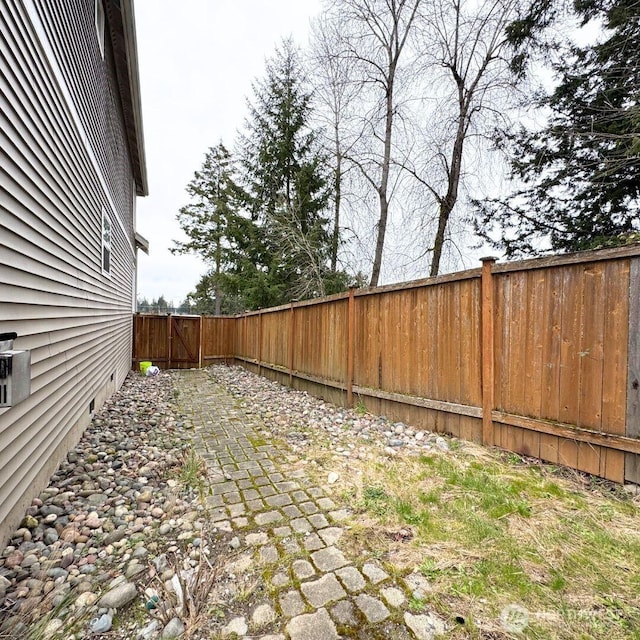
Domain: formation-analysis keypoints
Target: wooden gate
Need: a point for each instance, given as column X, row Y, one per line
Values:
column 170, row 342
column 184, row 340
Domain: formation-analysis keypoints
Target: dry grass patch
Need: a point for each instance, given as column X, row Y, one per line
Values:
column 488, row 531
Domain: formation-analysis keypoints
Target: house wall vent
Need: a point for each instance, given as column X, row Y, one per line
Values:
column 15, row 372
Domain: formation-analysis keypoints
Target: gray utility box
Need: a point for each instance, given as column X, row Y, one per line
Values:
column 15, row 377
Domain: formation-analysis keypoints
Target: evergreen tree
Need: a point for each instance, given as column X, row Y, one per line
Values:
column 142, row 305
column 285, row 175
column 160, row 305
column 214, row 223
column 581, row 172
column 185, row 308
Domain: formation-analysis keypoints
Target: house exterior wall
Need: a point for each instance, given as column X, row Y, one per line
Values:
column 64, row 161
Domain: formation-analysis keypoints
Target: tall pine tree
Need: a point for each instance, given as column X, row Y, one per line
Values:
column 581, row 172
column 286, row 178
column 217, row 230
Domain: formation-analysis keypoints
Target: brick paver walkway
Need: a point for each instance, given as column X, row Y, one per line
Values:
column 316, row 592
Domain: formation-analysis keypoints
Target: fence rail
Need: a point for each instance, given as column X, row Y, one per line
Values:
column 539, row 357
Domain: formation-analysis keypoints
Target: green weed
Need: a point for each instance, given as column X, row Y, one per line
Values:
column 487, row 533
column 360, row 407
column 193, row 473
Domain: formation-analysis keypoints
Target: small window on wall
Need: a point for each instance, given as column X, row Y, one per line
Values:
column 106, row 243
column 100, row 25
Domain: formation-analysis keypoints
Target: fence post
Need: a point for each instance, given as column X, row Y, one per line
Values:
column 169, row 340
column 350, row 345
column 260, row 342
column 632, row 429
column 487, row 351
column 200, row 331
column 292, row 328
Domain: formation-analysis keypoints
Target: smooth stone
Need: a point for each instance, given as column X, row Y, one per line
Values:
column 14, row 560
column 237, row 626
column 115, row 536
column 57, row 572
column 85, row 599
column 88, row 569
column 52, row 627
column 263, row 615
column 15, row 627
column 145, row 496
column 442, row 444
column 425, row 626
column 312, row 626
column 50, row 536
column 119, row 596
column 174, row 629
column 97, row 499
column 148, row 632
column 93, row 522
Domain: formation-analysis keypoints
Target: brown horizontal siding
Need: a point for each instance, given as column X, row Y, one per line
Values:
column 76, row 321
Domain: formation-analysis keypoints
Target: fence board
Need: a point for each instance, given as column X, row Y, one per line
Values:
column 218, row 339
column 616, row 333
column 591, row 349
column 151, row 340
column 632, row 462
column 184, row 342
column 501, row 323
column 561, row 347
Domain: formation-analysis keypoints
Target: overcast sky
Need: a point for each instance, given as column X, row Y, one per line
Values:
column 197, row 60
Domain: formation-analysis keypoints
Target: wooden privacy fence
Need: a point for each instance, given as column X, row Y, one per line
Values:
column 540, row 357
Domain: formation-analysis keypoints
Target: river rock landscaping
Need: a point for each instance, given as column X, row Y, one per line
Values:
column 217, row 504
column 115, row 516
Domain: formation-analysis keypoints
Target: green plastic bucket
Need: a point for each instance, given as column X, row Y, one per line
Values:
column 144, row 366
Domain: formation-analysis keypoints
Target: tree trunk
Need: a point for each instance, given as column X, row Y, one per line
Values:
column 216, row 289
column 335, row 240
column 449, row 201
column 443, row 219
column 384, row 181
column 218, row 295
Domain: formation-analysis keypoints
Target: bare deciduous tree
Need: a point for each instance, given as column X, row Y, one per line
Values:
column 463, row 45
column 334, row 93
column 372, row 38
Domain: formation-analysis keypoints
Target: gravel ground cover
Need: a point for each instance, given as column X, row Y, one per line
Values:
column 303, row 420
column 119, row 517
column 493, row 544
column 218, row 504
